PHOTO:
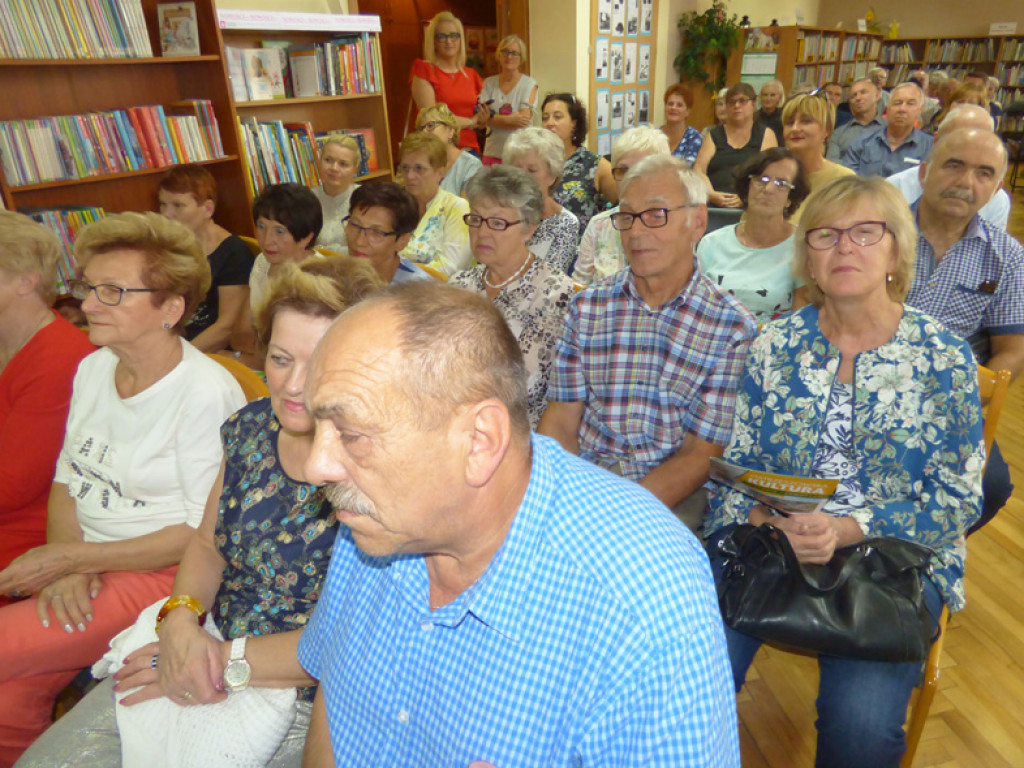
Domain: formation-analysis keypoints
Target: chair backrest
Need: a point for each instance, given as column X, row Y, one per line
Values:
column 435, row 273
column 992, row 386
column 253, row 387
column 252, row 245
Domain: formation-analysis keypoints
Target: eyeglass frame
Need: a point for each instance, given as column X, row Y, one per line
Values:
column 765, row 180
column 741, row 101
column 443, row 36
column 512, row 54
column 640, row 215
column 420, row 169
column 377, row 235
column 487, row 220
column 72, row 284
column 840, row 232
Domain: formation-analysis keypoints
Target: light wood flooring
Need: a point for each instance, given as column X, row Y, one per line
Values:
column 977, row 719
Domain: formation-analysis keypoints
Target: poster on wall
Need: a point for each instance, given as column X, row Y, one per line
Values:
column 616, row 62
column 602, row 110
column 617, row 107
column 629, row 120
column 646, row 17
column 632, row 17
column 619, row 17
column 601, row 58
column 643, row 69
column 629, row 68
column 604, row 144
column 604, row 16
column 643, row 115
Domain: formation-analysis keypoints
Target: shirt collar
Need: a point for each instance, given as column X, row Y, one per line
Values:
column 627, row 282
column 974, row 226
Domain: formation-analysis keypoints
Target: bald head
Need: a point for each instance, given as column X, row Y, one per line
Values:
column 966, row 116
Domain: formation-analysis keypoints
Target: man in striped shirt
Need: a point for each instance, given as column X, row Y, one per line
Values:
column 649, row 362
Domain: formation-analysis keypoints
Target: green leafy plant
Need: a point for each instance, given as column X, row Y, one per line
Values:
column 708, row 40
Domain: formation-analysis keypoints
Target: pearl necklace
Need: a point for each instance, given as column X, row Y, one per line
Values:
column 515, row 275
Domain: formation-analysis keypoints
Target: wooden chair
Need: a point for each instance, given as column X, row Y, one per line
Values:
column 435, row 273
column 252, row 245
column 993, row 387
column 253, row 387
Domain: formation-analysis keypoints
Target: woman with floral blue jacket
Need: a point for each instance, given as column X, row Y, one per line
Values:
column 858, row 386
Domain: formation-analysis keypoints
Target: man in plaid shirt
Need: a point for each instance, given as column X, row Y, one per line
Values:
column 650, row 359
column 969, row 274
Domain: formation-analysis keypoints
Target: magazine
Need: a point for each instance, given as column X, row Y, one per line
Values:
column 179, row 35
column 783, row 493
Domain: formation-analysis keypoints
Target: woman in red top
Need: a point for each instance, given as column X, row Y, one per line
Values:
column 39, row 354
column 442, row 77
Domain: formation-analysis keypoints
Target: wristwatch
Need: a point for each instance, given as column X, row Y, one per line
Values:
column 238, row 672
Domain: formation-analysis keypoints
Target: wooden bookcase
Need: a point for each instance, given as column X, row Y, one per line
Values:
column 243, row 29
column 956, row 55
column 42, row 87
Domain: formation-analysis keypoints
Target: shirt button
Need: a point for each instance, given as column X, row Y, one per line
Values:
column 403, row 717
column 426, row 626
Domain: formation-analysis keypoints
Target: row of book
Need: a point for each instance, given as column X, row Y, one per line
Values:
column 813, row 76
column 77, row 146
column 1009, row 94
column 281, row 69
column 850, row 71
column 855, row 47
column 812, row 47
column 276, row 152
column 897, row 52
column 1011, row 74
column 65, row 222
column 1013, row 50
column 73, row 29
column 953, row 51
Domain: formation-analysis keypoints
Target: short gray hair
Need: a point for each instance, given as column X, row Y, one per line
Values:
column 937, row 78
column 643, row 138
column 507, row 187
column 777, row 84
column 546, row 144
column 691, row 181
column 909, row 84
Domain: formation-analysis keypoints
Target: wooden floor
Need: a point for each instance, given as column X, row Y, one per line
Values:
column 977, row 719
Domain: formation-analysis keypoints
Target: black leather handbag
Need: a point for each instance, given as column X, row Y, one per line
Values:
column 867, row 602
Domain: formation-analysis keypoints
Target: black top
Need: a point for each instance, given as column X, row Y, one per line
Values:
column 230, row 263
column 773, row 121
column 727, row 157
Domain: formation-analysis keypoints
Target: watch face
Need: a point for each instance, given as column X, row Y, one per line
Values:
column 237, row 674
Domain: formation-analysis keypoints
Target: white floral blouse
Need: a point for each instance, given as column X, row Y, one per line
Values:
column 917, row 431
column 534, row 307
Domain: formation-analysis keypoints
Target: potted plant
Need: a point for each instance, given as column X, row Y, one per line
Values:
column 708, row 40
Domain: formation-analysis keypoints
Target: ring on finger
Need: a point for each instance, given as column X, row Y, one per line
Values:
column 56, row 597
column 15, row 593
column 153, row 661
column 187, row 696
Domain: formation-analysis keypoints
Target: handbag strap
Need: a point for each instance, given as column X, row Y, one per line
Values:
column 811, row 579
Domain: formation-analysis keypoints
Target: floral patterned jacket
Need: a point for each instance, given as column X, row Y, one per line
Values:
column 917, row 431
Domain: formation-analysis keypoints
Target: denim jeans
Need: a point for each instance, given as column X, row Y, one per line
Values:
column 862, row 705
column 996, row 487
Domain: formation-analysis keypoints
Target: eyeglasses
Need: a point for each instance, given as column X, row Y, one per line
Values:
column 427, row 127
column 108, row 294
column 653, row 218
column 861, row 233
column 373, row 236
column 449, row 36
column 738, row 101
column 405, row 169
column 493, row 222
column 764, row 181
column 511, row 54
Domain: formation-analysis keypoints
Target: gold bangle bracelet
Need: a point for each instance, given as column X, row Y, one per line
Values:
column 180, row 601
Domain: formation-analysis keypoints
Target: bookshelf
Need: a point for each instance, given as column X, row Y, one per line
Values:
column 37, row 88
column 956, row 55
column 328, row 113
column 818, row 55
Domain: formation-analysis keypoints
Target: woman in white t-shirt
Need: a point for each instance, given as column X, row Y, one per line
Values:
column 510, row 96
column 140, row 455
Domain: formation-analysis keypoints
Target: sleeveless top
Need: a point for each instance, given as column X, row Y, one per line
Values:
column 727, row 157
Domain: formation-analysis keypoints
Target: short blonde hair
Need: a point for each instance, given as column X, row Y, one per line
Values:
column 818, row 108
column 319, row 286
column 843, row 194
column 428, row 38
column 342, row 140
column 511, row 39
column 173, row 263
column 437, row 152
column 29, row 248
column 439, row 112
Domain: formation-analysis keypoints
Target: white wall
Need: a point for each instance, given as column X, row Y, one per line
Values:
column 297, row 6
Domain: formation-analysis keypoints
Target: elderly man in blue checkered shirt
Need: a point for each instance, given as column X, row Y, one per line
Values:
column 492, row 600
column 969, row 274
column 649, row 362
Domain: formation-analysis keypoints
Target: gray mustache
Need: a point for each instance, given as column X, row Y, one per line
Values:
column 959, row 194
column 350, row 499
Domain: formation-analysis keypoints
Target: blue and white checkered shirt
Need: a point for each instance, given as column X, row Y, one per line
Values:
column 647, row 377
column 977, row 289
column 592, row 639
